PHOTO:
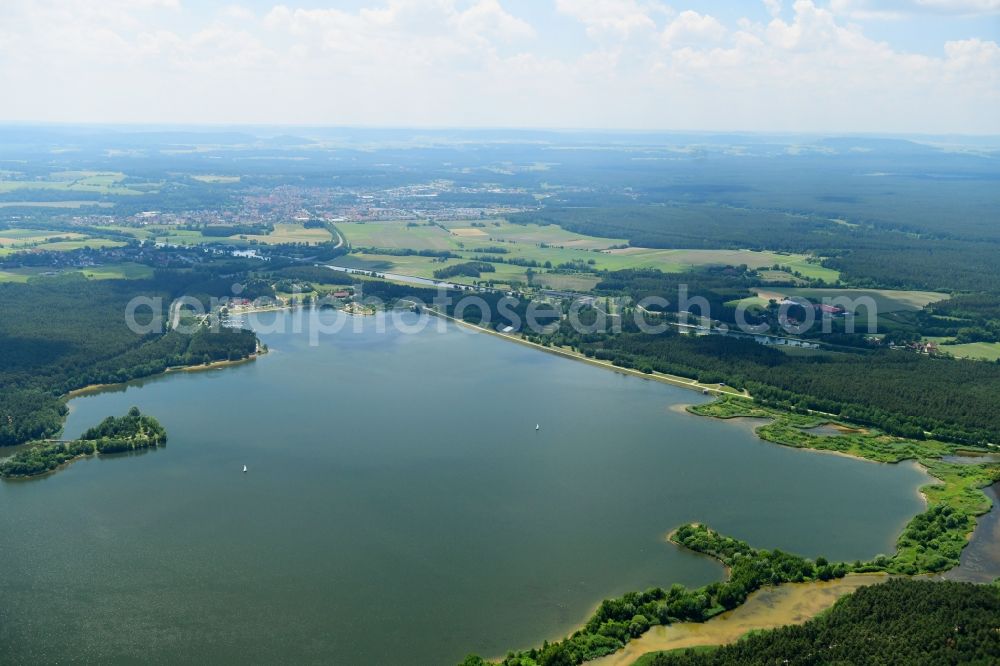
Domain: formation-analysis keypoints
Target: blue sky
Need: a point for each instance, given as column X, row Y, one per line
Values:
column 901, row 66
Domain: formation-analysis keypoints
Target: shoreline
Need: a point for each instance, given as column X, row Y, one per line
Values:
column 843, row 454
column 673, row 380
column 671, row 540
column 214, row 365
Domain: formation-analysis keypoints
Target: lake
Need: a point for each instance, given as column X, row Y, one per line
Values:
column 400, row 507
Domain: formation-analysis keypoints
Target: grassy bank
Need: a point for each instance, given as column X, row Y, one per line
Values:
column 932, row 541
column 902, row 621
column 768, row 608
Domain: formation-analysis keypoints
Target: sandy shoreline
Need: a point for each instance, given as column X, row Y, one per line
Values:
column 214, row 365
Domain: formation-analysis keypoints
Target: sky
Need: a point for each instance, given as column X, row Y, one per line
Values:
column 879, row 66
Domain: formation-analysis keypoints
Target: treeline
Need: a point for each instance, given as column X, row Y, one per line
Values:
column 718, row 285
column 64, row 333
column 226, row 230
column 689, row 226
column 931, row 264
column 490, row 249
column 408, row 252
column 901, row 621
column 967, row 317
column 131, row 432
column 466, row 269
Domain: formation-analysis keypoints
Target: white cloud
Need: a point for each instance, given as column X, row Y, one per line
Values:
column 773, row 7
column 473, row 62
column 962, row 6
column 974, row 52
column 487, row 17
column 619, row 18
column 812, row 72
column 693, row 28
column 864, row 10
column 812, row 28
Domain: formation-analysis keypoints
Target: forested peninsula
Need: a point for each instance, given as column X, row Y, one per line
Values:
column 132, row 432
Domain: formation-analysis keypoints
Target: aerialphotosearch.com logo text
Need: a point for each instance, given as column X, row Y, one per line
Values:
column 506, row 312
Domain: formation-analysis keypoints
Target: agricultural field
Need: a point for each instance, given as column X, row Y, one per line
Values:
column 528, row 234
column 67, row 245
column 23, row 274
column 398, row 236
column 424, row 267
column 887, row 300
column 672, row 261
column 16, row 240
column 56, row 204
column 459, row 234
column 94, row 182
column 29, row 237
column 213, row 179
column 121, row 271
column 780, row 276
column 567, row 282
column 118, row 271
column 761, row 300
column 139, row 233
column 981, row 351
column 290, row 233
column 548, row 245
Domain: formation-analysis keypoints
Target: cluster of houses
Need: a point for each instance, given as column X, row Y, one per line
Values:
column 929, row 348
column 787, row 342
column 821, row 309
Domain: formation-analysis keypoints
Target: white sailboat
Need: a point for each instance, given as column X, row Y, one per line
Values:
column 244, row 469
column 538, row 427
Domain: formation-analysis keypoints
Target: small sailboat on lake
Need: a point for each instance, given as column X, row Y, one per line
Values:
column 538, row 427
column 244, row 469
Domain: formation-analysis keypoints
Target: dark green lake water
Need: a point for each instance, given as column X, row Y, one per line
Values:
column 399, row 507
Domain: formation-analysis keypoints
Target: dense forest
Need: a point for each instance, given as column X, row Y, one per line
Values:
column 901, row 621
column 64, row 333
column 902, row 393
column 692, row 226
column 866, row 256
column 973, row 317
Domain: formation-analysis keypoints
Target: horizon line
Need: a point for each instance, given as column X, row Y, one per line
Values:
column 481, row 128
